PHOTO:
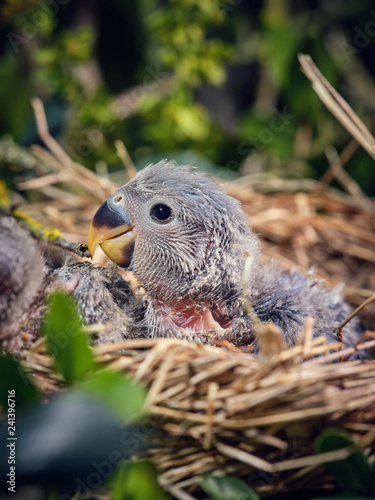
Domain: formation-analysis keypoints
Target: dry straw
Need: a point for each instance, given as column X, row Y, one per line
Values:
column 231, row 413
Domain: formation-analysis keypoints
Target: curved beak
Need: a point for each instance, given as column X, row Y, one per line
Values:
column 112, row 230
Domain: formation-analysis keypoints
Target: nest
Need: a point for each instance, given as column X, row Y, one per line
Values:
column 231, row 413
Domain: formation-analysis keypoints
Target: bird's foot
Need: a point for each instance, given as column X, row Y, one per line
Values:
column 210, row 336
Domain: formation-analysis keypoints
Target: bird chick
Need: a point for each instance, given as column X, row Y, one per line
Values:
column 187, row 242
column 30, row 271
column 102, row 297
column 21, row 277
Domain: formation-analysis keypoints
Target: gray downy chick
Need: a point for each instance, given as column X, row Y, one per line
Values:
column 30, row 271
column 102, row 296
column 187, row 243
column 21, row 277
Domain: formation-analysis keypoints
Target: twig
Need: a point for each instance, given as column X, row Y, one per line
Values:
column 268, row 334
column 123, row 154
column 80, row 249
column 339, row 328
column 245, row 290
column 307, row 335
column 175, row 491
column 212, row 391
column 344, row 157
column 92, row 182
column 359, row 342
column 40, row 233
column 337, row 105
column 43, row 131
column 45, row 180
column 342, row 176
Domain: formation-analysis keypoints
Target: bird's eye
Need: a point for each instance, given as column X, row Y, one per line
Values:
column 161, row 213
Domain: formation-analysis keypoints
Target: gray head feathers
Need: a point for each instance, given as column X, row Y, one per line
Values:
column 200, row 253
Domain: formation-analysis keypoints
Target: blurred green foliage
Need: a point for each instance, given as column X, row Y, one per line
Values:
column 66, row 339
column 227, row 488
column 136, row 481
column 214, row 80
column 69, row 346
column 100, row 407
column 355, row 475
column 26, row 391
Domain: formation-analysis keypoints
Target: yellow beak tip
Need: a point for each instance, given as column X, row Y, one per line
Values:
column 92, row 240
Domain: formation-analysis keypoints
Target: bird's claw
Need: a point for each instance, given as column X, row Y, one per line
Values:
column 211, row 336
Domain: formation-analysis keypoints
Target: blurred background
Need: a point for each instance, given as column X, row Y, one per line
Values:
column 214, row 83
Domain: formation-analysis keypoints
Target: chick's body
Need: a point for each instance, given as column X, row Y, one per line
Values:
column 187, row 242
column 30, row 272
column 21, row 276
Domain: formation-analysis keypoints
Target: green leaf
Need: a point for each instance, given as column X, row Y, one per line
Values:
column 227, row 488
column 137, row 481
column 66, row 339
column 14, row 379
column 119, row 393
column 353, row 473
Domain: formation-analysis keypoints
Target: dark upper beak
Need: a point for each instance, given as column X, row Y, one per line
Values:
column 112, row 229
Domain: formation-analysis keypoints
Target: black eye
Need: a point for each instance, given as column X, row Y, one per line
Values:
column 161, row 213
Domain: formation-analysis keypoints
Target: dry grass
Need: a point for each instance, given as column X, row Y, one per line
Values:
column 231, row 413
